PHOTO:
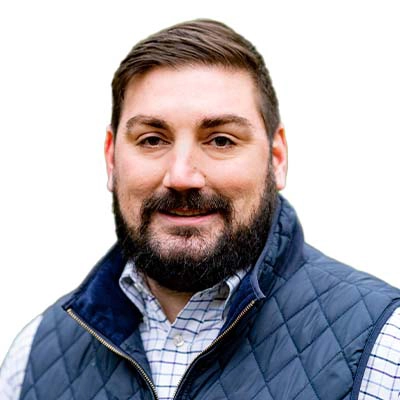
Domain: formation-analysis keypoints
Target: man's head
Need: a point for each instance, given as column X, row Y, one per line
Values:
column 192, row 162
column 199, row 42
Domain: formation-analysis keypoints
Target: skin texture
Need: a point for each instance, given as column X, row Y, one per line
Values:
column 191, row 128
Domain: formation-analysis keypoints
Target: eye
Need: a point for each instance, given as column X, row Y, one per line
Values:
column 222, row 141
column 152, row 141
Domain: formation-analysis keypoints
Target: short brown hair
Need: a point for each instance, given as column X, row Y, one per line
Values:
column 199, row 42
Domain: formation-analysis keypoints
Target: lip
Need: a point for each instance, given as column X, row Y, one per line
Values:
column 185, row 220
column 181, row 212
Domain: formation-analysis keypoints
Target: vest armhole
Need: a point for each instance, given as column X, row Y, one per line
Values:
column 373, row 336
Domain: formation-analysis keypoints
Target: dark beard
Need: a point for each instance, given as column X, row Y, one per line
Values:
column 235, row 249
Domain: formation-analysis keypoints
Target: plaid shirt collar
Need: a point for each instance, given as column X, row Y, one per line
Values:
column 134, row 285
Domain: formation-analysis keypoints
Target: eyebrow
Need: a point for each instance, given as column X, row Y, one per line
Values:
column 219, row 120
column 205, row 123
column 140, row 119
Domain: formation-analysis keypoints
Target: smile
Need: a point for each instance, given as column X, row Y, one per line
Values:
column 188, row 213
column 187, row 217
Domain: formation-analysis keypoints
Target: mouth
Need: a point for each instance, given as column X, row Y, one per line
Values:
column 188, row 213
column 185, row 217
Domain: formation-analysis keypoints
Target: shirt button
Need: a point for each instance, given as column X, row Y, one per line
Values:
column 178, row 341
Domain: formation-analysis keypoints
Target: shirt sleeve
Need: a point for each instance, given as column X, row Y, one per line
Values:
column 381, row 378
column 12, row 371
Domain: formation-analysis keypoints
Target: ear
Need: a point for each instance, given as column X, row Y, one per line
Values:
column 109, row 150
column 280, row 157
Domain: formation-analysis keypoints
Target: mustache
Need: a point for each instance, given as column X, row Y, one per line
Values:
column 191, row 199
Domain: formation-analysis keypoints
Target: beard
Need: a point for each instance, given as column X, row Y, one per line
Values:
column 200, row 266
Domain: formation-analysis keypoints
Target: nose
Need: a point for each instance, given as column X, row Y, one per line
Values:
column 184, row 172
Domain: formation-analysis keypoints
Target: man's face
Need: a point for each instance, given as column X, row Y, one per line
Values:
column 191, row 158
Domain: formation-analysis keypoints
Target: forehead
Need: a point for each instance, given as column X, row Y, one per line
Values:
column 192, row 93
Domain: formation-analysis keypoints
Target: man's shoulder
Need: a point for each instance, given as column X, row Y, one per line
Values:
column 294, row 260
column 336, row 294
column 55, row 324
column 330, row 272
column 343, row 293
column 43, row 332
column 59, row 344
column 326, row 314
column 12, row 371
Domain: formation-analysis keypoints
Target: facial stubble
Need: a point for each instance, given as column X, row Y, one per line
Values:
column 195, row 268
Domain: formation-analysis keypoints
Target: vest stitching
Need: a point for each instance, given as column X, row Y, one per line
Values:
column 223, row 389
column 297, row 356
column 298, row 353
column 323, row 269
column 328, row 322
column 95, row 353
column 337, row 319
column 294, row 315
column 63, row 353
column 365, row 304
column 98, row 371
column 290, row 360
column 264, row 387
column 305, row 262
column 46, row 335
column 51, row 332
column 348, row 344
column 120, row 360
column 33, row 386
column 260, row 370
column 362, row 297
column 314, row 299
column 55, row 360
column 91, row 344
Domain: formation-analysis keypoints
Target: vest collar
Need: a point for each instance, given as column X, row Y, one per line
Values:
column 280, row 258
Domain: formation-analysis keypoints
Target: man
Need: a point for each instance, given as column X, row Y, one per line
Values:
column 210, row 291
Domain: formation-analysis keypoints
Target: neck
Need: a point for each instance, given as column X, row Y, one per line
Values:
column 172, row 302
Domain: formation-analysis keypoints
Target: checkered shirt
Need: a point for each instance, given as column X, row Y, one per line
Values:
column 170, row 348
column 381, row 377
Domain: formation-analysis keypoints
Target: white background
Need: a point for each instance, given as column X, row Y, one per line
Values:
column 335, row 66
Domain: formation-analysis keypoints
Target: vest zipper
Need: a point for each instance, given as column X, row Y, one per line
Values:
column 218, row 339
column 115, row 350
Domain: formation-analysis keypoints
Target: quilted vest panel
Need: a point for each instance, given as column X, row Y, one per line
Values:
column 307, row 337
column 66, row 362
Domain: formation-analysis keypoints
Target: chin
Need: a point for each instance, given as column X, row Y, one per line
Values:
column 178, row 247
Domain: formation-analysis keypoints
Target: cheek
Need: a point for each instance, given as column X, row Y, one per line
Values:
column 244, row 186
column 134, row 186
column 136, row 177
column 243, row 176
column 129, row 203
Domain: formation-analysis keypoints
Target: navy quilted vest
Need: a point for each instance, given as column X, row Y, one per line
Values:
column 301, row 327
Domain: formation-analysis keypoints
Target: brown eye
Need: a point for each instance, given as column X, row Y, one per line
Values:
column 152, row 141
column 222, row 141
